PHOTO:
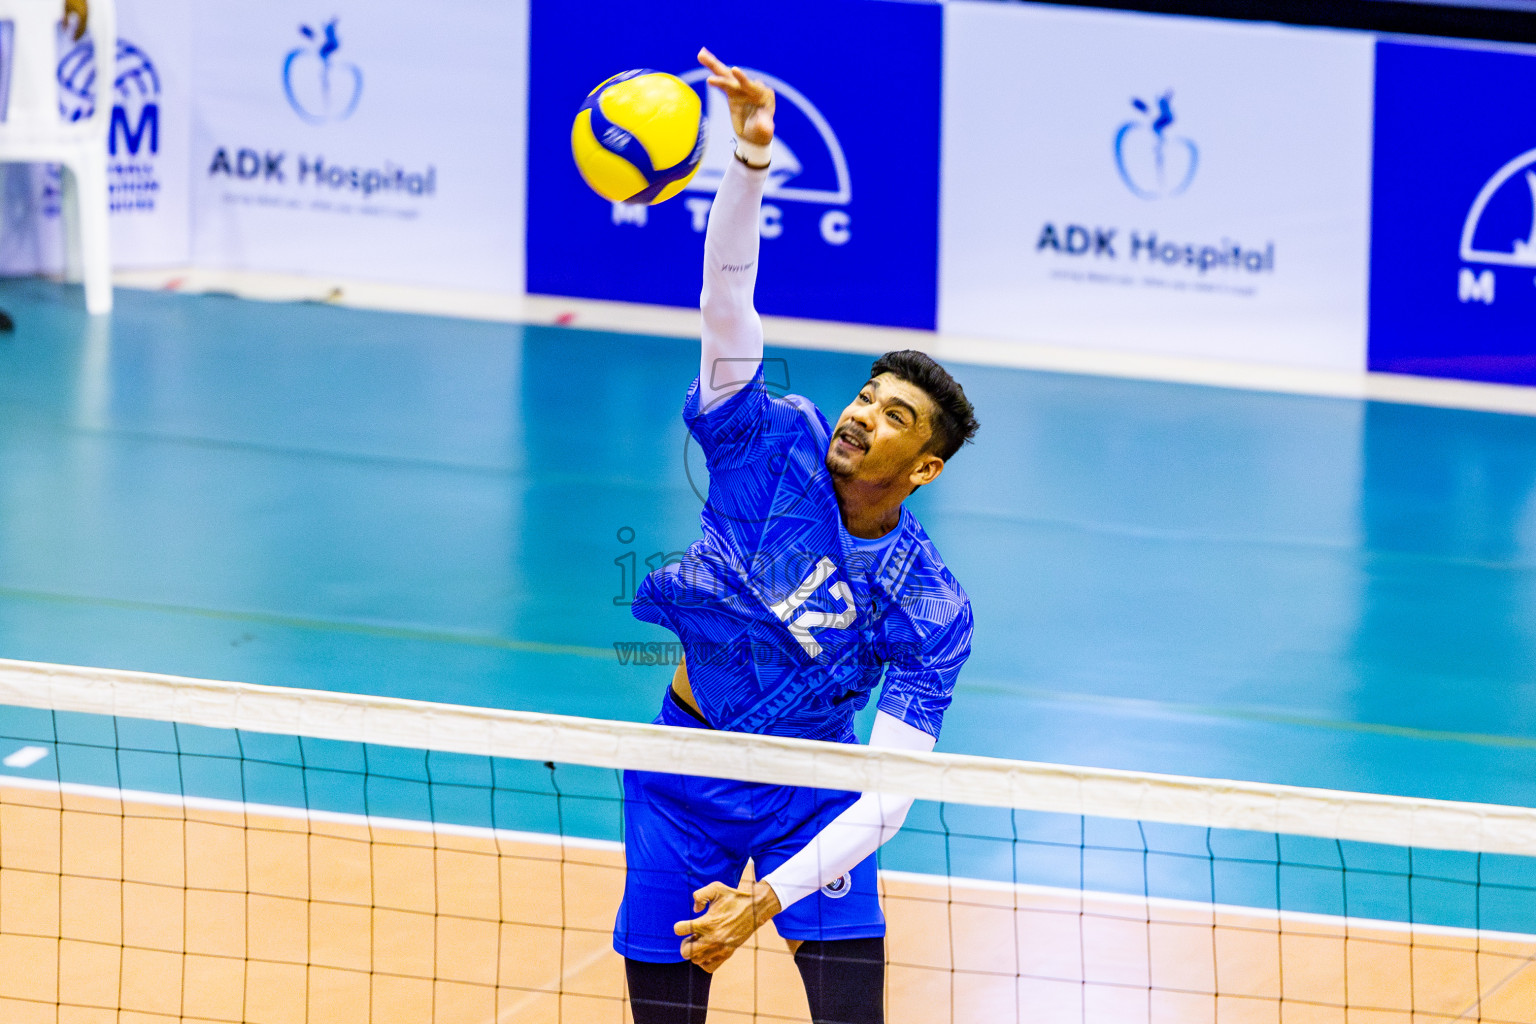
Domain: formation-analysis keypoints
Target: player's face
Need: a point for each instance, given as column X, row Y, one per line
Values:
column 879, row 438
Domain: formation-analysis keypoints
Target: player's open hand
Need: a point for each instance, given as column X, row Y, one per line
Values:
column 732, row 917
column 751, row 99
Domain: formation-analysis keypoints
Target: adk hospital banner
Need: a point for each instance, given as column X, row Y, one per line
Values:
column 1156, row 184
column 1066, row 176
column 360, row 138
column 381, row 141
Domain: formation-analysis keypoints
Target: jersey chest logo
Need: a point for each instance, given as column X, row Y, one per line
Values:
column 802, row 624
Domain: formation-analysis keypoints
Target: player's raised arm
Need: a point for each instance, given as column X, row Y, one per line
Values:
column 732, row 336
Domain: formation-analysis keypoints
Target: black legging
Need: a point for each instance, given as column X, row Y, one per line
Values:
column 667, row 993
column 844, row 984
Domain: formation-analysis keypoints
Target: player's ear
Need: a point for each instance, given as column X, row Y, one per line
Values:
column 927, row 470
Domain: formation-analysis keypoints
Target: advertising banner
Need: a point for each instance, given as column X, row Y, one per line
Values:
column 148, row 144
column 1453, row 247
column 850, row 219
column 1156, row 184
column 381, row 141
column 147, row 147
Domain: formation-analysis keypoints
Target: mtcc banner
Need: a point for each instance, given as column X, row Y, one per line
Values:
column 1453, row 248
column 1112, row 181
column 850, row 218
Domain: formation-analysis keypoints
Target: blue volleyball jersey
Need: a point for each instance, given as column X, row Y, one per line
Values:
column 786, row 622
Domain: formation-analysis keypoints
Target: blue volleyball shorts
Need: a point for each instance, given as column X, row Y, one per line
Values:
column 682, row 832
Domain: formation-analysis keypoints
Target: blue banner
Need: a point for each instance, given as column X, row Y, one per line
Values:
column 850, row 222
column 1453, row 237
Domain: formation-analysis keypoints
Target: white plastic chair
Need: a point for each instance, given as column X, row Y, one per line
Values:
column 34, row 131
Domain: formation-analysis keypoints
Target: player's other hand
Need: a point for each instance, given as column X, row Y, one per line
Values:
column 751, row 99
column 732, row 917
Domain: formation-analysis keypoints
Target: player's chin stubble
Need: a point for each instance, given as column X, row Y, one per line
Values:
column 838, row 465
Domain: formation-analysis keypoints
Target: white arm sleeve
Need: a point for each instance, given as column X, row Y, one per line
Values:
column 857, row 832
column 732, row 337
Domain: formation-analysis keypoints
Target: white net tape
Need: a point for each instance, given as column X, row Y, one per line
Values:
column 948, row 778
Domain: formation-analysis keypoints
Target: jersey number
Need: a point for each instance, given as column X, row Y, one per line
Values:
column 802, row 625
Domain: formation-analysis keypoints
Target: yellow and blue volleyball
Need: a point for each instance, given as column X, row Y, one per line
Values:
column 639, row 137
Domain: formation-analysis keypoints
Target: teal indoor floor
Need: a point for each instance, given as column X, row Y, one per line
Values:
column 1165, row 577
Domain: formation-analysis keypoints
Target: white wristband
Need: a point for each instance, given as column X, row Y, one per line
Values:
column 756, row 156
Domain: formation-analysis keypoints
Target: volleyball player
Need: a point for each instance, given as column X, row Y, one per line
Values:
column 811, row 580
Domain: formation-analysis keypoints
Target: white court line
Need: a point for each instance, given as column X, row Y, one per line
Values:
column 1035, row 354
column 533, row 996
column 1143, row 903
column 1477, row 1004
column 368, row 821
column 26, row 757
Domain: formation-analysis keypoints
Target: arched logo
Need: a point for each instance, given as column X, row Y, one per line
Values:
column 319, row 87
column 135, row 124
column 795, row 176
column 1153, row 163
column 1510, row 214
column 77, row 81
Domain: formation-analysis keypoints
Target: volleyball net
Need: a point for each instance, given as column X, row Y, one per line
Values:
column 176, row 849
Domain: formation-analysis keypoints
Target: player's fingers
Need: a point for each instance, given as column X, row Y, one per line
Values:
column 712, row 62
column 683, row 927
column 756, row 89
column 753, row 90
column 708, row 894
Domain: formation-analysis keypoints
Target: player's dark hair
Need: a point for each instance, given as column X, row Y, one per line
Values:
column 954, row 421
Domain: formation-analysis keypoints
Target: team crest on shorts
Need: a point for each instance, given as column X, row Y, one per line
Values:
column 839, row 887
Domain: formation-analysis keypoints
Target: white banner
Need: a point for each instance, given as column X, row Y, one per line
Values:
column 146, row 148
column 367, row 139
column 1156, row 184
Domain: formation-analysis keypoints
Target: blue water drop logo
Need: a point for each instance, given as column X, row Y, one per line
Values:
column 320, row 88
column 1153, row 163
